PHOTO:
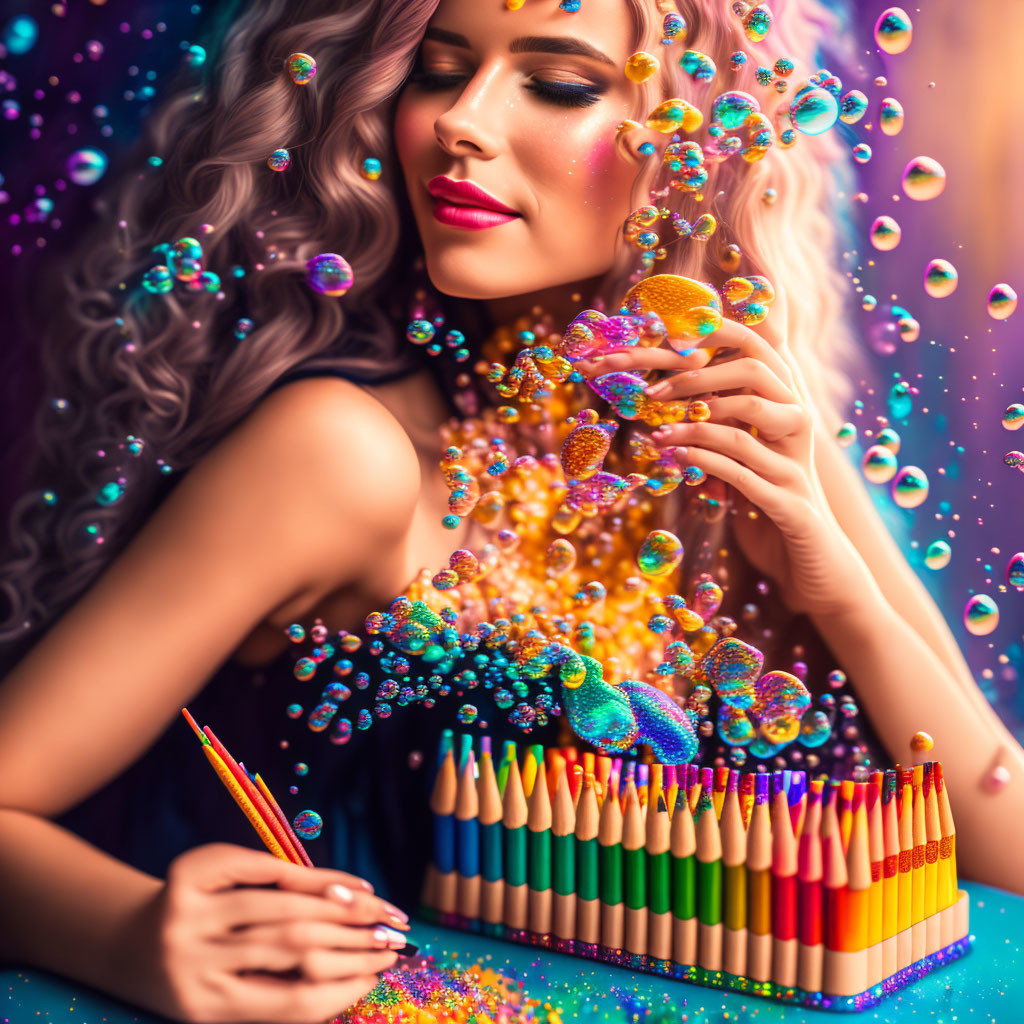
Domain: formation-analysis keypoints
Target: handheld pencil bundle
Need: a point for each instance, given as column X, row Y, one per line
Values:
column 831, row 893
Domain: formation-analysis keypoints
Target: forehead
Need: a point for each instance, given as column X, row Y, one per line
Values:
column 489, row 25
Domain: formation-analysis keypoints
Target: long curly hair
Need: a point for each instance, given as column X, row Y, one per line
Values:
column 138, row 387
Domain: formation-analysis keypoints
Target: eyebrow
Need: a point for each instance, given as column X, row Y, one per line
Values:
column 529, row 44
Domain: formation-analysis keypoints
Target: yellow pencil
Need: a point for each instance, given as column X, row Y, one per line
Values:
column 248, row 808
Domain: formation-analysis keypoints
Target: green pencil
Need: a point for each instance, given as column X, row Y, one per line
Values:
column 513, row 821
column 588, row 894
column 633, row 855
column 563, row 841
column 683, row 845
column 659, row 887
column 539, row 825
column 709, row 883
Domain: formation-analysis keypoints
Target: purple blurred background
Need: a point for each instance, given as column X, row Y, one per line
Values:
column 96, row 70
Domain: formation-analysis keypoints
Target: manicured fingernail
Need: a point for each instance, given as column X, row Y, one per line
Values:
column 341, row 893
column 654, row 390
column 366, row 885
column 395, row 912
column 389, row 937
column 680, row 453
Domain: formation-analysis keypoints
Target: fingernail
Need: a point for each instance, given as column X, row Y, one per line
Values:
column 395, row 912
column 389, row 937
column 366, row 885
column 680, row 453
column 655, row 390
column 409, row 949
column 341, row 893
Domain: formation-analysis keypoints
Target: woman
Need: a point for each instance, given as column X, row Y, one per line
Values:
column 334, row 484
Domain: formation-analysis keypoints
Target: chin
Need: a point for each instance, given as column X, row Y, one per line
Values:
column 466, row 275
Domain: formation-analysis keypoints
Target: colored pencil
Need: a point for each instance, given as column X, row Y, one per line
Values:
column 917, row 874
column 609, row 839
column 442, row 804
column 659, row 879
column 588, row 895
column 242, row 799
column 683, row 845
column 783, row 892
column 759, row 885
column 635, row 872
column 467, row 840
column 491, row 842
column 734, row 880
column 890, row 873
column 811, row 937
column 285, row 823
column 709, row 883
column 876, row 846
column 539, row 858
column 514, row 816
column 905, row 896
column 563, row 841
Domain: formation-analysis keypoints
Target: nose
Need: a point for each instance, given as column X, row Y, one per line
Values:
column 469, row 126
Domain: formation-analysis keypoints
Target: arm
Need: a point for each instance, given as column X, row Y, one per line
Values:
column 297, row 495
column 905, row 686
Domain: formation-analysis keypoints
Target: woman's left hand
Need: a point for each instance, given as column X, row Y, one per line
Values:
column 783, row 523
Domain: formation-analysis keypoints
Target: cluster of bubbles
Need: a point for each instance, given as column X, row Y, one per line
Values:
column 183, row 263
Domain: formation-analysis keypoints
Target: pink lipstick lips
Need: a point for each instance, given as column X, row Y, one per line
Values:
column 461, row 204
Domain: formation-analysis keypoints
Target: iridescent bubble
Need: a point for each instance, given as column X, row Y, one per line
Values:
column 909, row 487
column 846, row 435
column 814, row 110
column 640, row 66
column 938, row 555
column 1013, row 418
column 109, row 493
column 659, row 554
column 890, row 116
column 1015, row 571
column 885, row 233
column 731, row 668
column 731, row 109
column 661, row 722
column 86, row 166
column 1002, row 301
column 371, row 168
column 279, row 160
column 294, row 710
column 698, row 65
column 1015, row 460
column 878, row 464
column 560, row 557
column 757, row 23
column 419, row 332
column 815, row 728
column 852, row 106
column 981, row 615
column 301, row 67
column 467, row 714
column 923, row 178
column 341, row 733
column 862, row 153
column 320, row 717
column 893, row 30
column 307, row 824
column 889, row 439
column 734, row 726
column 674, row 115
column 909, row 328
column 301, row 768
column 329, row 274
column 158, row 280
column 940, row 279
column 195, row 56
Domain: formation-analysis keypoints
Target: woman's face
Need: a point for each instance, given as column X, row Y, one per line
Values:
column 505, row 134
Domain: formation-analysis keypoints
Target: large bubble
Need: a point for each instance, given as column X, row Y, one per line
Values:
column 1002, row 301
column 981, row 615
column 814, row 110
column 329, row 274
column 940, row 279
column 885, row 233
column 909, row 487
column 923, row 178
column 893, row 30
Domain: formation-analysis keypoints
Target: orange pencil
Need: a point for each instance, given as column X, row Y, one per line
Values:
column 876, row 845
column 285, row 823
column 254, row 795
column 243, row 801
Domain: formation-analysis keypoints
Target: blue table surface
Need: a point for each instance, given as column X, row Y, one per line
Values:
column 987, row 985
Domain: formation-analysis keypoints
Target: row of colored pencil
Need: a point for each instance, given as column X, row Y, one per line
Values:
column 820, row 885
column 253, row 797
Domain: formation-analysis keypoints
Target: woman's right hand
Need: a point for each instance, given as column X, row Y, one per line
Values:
column 211, row 932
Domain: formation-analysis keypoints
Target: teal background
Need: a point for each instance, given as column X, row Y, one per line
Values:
column 982, row 988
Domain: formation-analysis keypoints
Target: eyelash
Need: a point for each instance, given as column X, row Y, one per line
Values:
column 562, row 94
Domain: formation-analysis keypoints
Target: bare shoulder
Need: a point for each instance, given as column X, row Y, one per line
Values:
column 332, row 439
